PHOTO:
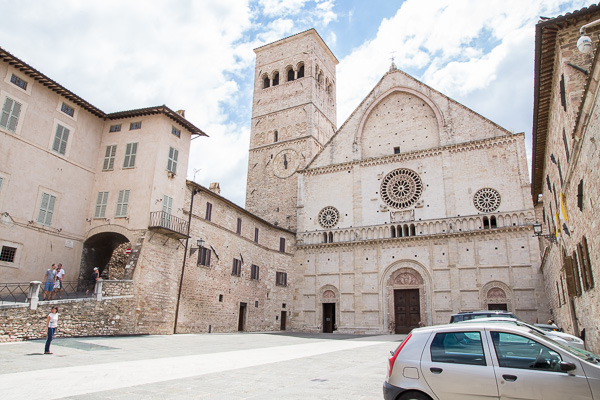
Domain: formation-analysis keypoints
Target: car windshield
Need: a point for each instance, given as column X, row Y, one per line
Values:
column 577, row 352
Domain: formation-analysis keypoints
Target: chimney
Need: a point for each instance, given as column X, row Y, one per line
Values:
column 215, row 188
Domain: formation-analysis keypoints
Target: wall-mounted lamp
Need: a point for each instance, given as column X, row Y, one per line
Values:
column 584, row 44
column 199, row 243
column 537, row 229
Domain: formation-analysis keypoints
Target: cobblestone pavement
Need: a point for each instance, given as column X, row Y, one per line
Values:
column 209, row 366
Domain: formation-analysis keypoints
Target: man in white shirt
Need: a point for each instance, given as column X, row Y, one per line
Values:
column 60, row 274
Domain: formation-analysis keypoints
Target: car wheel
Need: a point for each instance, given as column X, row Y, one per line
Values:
column 414, row 396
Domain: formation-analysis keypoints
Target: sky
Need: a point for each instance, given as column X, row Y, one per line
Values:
column 197, row 55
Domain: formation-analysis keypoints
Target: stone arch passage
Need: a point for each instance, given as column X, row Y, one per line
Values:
column 97, row 252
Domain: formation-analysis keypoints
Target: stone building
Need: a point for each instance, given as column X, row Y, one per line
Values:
column 76, row 182
column 566, row 168
column 416, row 208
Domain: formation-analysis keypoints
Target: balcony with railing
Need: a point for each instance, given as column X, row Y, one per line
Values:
column 412, row 229
column 168, row 224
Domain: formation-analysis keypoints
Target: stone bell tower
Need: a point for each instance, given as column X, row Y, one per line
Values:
column 293, row 116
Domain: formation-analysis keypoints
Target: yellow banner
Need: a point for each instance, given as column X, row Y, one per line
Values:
column 563, row 207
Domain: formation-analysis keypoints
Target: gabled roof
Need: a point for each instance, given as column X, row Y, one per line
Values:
column 28, row 70
column 545, row 54
column 306, row 32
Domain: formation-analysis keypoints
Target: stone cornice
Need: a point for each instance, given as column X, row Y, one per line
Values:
column 413, row 155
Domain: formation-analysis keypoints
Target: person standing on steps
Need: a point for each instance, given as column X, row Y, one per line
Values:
column 51, row 324
column 95, row 276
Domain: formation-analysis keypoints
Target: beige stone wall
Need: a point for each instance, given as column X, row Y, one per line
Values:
column 572, row 140
column 211, row 295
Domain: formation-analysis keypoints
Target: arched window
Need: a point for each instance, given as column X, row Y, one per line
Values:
column 412, row 230
column 330, row 237
column 266, row 82
column 275, row 136
column 486, row 223
column 320, row 77
column 276, row 79
column 301, row 71
column 324, row 237
column 393, row 231
column 290, row 75
column 493, row 223
column 405, row 230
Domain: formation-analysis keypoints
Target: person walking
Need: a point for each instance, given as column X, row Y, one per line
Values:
column 95, row 276
column 51, row 324
column 58, row 282
column 49, row 282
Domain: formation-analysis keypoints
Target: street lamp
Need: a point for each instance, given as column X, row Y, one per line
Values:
column 199, row 243
column 537, row 229
column 584, row 44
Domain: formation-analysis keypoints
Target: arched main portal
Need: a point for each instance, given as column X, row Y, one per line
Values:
column 496, row 295
column 406, row 285
column 97, row 252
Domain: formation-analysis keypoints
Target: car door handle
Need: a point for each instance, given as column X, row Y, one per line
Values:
column 510, row 378
column 436, row 370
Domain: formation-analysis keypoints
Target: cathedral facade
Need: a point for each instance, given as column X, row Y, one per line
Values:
column 416, row 208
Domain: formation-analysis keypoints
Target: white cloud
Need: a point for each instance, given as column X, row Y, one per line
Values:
column 275, row 8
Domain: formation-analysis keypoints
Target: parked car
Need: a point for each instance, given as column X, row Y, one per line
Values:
column 488, row 360
column 467, row 315
column 561, row 337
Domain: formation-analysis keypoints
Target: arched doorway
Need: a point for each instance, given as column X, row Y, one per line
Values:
column 329, row 297
column 496, row 295
column 407, row 285
column 97, row 252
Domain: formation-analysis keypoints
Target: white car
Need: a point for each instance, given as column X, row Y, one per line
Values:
column 489, row 360
column 561, row 337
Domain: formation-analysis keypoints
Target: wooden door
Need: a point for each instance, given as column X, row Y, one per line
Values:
column 328, row 317
column 407, row 310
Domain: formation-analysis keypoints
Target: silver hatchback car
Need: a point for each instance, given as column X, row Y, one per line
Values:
column 489, row 361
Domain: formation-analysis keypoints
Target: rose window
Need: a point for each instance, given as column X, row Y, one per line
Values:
column 329, row 217
column 401, row 188
column 487, row 200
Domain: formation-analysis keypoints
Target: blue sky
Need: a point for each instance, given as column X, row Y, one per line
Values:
column 198, row 56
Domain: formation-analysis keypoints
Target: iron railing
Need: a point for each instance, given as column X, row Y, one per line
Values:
column 165, row 221
column 13, row 292
column 69, row 290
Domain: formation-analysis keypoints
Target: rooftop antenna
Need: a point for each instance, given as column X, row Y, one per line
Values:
column 196, row 170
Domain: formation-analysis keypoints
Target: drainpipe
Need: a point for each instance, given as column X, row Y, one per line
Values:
column 194, row 192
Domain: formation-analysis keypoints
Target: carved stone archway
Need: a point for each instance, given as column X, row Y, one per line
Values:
column 496, row 292
column 406, row 274
column 328, row 294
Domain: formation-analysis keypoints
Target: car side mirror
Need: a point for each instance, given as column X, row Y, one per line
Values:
column 567, row 366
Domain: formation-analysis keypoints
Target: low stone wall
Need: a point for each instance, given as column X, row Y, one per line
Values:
column 117, row 288
column 80, row 317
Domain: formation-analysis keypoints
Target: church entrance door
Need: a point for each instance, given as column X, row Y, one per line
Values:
column 328, row 317
column 498, row 306
column 407, row 310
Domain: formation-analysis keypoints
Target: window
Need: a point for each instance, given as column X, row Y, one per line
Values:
column 254, row 272
column 572, row 268
column 46, row 209
column 172, row 162
column 397, row 150
column 266, row 82
column 135, row 125
column 275, row 136
column 167, row 204
column 281, row 278
column 204, row 256
column 18, row 81
column 208, row 211
column 237, row 267
column 10, row 114
column 115, row 128
column 276, row 79
column 255, row 231
column 560, row 174
column 220, row 298
column 563, row 96
column 67, row 109
column 282, row 245
column 580, row 195
column 8, row 253
column 515, row 351
column 130, row 153
column 175, row 131
column 301, row 72
column 238, row 230
column 290, row 75
column 566, row 143
column 122, row 203
column 585, row 262
column 101, row 202
column 458, row 348
column 109, row 158
column 61, row 138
